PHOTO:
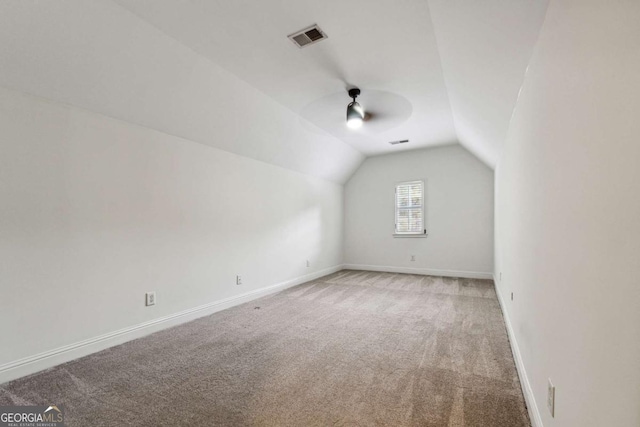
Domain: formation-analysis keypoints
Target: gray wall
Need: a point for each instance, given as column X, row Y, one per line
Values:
column 96, row 212
column 568, row 216
column 459, row 214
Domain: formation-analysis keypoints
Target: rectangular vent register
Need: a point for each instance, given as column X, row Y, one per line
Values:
column 308, row 36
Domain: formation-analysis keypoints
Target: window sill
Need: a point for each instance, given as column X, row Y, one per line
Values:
column 411, row 235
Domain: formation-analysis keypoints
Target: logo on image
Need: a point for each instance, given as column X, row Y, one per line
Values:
column 31, row 416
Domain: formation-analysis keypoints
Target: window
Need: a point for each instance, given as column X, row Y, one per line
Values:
column 410, row 209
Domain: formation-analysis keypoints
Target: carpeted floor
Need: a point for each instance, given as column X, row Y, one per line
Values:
column 349, row 349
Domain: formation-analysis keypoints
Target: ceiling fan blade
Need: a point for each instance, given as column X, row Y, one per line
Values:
column 376, row 115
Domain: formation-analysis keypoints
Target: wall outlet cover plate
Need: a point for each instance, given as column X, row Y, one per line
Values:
column 150, row 298
column 551, row 398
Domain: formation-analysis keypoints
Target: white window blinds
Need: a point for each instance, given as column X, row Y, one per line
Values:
column 410, row 208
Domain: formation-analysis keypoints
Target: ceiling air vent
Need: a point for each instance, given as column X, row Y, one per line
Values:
column 308, row 36
column 404, row 141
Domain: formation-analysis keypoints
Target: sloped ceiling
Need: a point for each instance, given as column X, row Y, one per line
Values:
column 434, row 72
column 485, row 47
column 98, row 56
column 379, row 46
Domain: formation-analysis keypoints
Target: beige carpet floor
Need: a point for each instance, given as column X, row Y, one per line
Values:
column 349, row 349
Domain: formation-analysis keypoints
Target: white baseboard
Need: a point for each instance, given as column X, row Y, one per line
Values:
column 422, row 271
column 534, row 413
column 32, row 364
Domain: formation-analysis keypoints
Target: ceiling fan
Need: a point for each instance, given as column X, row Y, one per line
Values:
column 356, row 115
column 369, row 112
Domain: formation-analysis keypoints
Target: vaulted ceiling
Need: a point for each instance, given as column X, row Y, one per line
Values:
column 434, row 72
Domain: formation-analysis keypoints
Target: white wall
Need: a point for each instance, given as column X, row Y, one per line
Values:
column 96, row 211
column 459, row 214
column 568, row 216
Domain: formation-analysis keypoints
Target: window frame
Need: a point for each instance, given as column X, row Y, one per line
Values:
column 423, row 232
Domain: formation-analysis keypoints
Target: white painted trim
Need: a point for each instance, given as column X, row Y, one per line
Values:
column 32, row 364
column 422, row 271
column 534, row 413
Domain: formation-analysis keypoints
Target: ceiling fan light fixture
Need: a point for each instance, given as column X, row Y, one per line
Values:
column 355, row 113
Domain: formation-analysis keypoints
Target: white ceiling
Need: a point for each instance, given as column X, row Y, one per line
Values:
column 99, row 56
column 435, row 72
column 485, row 47
column 398, row 47
column 375, row 45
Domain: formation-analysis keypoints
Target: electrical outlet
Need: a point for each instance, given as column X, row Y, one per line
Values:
column 551, row 398
column 238, row 280
column 308, row 263
column 501, row 276
column 150, row 298
column 511, row 296
column 413, row 257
